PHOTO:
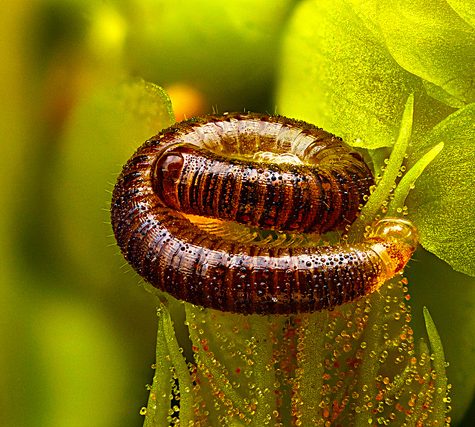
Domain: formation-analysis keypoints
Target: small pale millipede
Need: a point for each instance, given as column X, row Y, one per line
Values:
column 264, row 174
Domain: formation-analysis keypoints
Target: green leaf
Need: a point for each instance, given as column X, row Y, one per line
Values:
column 441, row 205
column 385, row 186
column 104, row 131
column 409, row 178
column 450, row 297
column 429, row 39
column 159, row 400
column 440, row 379
column 465, row 9
column 338, row 74
column 172, row 379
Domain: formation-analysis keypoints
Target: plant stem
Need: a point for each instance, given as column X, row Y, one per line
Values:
column 410, row 177
column 264, row 373
column 311, row 336
column 159, row 400
column 439, row 408
column 384, row 187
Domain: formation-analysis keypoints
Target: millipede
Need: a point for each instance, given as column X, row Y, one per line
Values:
column 265, row 174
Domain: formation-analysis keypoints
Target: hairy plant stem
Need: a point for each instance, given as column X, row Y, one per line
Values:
column 384, row 187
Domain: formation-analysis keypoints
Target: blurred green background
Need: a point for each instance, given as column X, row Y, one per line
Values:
column 77, row 332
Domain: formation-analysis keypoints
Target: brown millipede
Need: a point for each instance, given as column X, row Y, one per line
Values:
column 265, row 172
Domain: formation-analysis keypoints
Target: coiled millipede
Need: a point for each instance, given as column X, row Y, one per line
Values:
column 268, row 173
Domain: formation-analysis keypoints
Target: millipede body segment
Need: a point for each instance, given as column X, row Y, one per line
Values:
column 267, row 173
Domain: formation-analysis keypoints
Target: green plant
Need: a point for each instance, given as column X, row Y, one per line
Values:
column 348, row 66
column 356, row 365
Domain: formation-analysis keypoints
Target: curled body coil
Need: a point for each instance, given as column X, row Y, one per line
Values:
column 266, row 172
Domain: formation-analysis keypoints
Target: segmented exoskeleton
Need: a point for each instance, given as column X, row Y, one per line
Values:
column 268, row 172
